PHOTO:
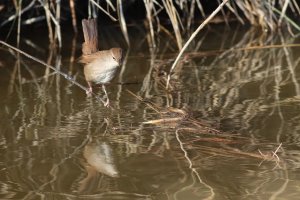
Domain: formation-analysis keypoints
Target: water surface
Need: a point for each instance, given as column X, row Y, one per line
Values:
column 57, row 143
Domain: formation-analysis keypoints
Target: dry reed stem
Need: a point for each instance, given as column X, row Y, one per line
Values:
column 33, row 20
column 175, row 20
column 283, row 11
column 151, row 13
column 200, row 7
column 27, row 8
column 90, row 10
column 73, row 13
column 57, row 23
column 192, row 37
column 111, row 5
column 48, row 19
column 286, row 17
column 108, row 14
column 122, row 21
column 164, row 120
column 296, row 7
column 149, row 7
column 235, row 12
column 19, row 9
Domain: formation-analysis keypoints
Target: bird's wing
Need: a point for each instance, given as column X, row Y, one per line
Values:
column 85, row 59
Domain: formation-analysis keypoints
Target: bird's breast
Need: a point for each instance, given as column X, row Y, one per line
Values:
column 101, row 70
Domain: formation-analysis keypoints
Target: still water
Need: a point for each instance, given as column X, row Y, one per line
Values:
column 227, row 104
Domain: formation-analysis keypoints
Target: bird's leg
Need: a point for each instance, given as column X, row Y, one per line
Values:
column 106, row 104
column 90, row 90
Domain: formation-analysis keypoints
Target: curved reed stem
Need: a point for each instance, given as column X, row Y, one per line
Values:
column 192, row 37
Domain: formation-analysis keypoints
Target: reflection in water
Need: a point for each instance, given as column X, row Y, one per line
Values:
column 100, row 159
column 99, row 155
column 45, row 122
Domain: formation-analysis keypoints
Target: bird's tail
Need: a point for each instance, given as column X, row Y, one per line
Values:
column 90, row 33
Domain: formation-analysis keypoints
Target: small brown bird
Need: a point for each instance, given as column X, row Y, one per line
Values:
column 100, row 66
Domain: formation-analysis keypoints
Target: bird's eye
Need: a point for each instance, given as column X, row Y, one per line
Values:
column 114, row 58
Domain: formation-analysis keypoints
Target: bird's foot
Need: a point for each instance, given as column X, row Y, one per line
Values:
column 89, row 92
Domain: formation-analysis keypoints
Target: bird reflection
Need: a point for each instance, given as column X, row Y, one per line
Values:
column 100, row 160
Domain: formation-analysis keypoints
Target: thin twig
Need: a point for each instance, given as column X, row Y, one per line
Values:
column 66, row 76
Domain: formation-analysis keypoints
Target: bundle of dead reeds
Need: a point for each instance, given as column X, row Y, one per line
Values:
column 269, row 15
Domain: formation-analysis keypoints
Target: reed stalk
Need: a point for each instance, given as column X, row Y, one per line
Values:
column 149, row 7
column 45, row 5
column 103, row 10
column 200, row 27
column 122, row 21
column 19, row 9
column 173, row 16
column 57, row 23
column 73, row 13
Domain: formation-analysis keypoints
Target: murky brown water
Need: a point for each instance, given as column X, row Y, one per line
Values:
column 56, row 143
